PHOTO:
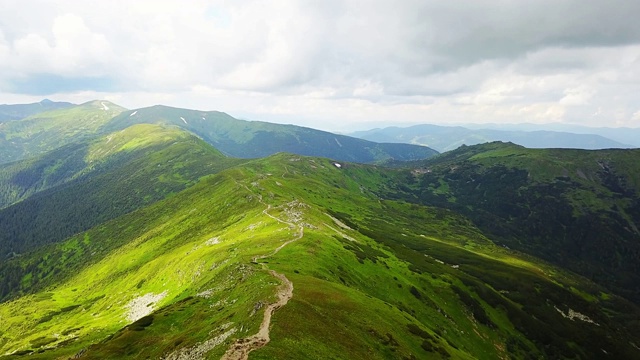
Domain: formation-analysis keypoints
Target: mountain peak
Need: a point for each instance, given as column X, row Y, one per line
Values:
column 105, row 105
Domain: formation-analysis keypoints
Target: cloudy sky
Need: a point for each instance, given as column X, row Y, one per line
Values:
column 334, row 65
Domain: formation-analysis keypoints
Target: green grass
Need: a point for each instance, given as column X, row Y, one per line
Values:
column 255, row 139
column 575, row 208
column 49, row 130
column 102, row 179
column 373, row 278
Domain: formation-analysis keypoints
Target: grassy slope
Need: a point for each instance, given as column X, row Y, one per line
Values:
column 21, row 111
column 252, row 139
column 20, row 180
column 372, row 279
column 23, row 178
column 116, row 174
column 576, row 208
column 48, row 130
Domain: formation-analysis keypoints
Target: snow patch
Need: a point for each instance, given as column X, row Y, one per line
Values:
column 133, row 113
column 143, row 305
column 183, row 120
column 337, row 142
column 104, row 106
column 337, row 165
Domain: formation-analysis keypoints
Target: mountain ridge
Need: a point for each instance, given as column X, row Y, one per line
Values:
column 48, row 130
column 446, row 138
column 254, row 139
column 624, row 134
column 239, row 138
column 152, row 161
column 576, row 208
column 10, row 112
column 371, row 278
column 142, row 240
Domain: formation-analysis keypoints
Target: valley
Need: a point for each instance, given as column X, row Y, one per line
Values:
column 141, row 239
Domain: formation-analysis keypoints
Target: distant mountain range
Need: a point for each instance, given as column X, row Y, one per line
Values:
column 625, row 135
column 47, row 130
column 445, row 138
column 253, row 139
column 21, row 111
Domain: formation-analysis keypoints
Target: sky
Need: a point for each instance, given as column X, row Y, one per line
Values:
column 333, row 65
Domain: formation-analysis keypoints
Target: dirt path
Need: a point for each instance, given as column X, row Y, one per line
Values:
column 241, row 348
column 298, row 235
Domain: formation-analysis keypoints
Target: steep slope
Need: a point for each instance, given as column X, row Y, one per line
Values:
column 578, row 209
column 253, row 139
column 294, row 257
column 49, row 130
column 21, row 111
column 84, row 184
column 23, row 178
column 446, row 138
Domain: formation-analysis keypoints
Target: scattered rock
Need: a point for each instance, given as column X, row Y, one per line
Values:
column 339, row 223
column 199, row 351
column 571, row 315
column 205, row 294
column 214, row 240
column 143, row 305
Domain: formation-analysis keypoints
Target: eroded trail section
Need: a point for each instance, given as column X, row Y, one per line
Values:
column 241, row 348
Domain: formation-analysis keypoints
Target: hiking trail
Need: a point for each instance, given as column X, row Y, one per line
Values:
column 241, row 348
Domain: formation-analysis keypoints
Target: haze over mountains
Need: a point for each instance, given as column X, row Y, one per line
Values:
column 46, row 130
column 21, row 111
column 624, row 135
column 181, row 234
column 445, row 138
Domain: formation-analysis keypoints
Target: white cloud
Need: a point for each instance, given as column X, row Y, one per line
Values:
column 4, row 48
column 342, row 61
column 77, row 48
column 32, row 54
column 576, row 96
column 69, row 49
